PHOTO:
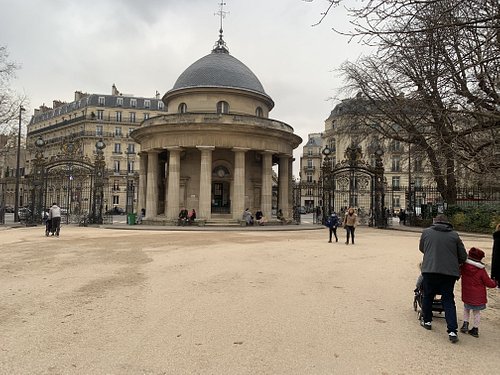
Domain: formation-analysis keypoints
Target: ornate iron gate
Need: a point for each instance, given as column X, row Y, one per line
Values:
column 72, row 181
column 354, row 183
column 350, row 183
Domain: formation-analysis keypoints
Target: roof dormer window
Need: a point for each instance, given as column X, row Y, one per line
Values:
column 182, row 108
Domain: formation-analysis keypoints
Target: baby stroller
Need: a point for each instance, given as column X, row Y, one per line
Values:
column 437, row 306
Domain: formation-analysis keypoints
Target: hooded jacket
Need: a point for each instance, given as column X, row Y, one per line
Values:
column 474, row 283
column 443, row 250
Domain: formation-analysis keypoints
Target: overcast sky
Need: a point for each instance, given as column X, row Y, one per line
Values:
column 143, row 46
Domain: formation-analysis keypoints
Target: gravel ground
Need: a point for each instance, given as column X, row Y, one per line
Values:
column 100, row 301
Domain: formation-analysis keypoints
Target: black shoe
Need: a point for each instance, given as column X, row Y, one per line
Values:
column 465, row 327
column 474, row 332
column 426, row 325
column 453, row 337
column 336, row 240
column 329, row 241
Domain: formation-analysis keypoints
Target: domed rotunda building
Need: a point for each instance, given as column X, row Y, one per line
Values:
column 215, row 147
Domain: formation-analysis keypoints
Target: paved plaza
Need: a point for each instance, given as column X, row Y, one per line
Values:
column 110, row 301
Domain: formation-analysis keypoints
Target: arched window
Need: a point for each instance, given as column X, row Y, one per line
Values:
column 222, row 107
column 182, row 108
column 259, row 112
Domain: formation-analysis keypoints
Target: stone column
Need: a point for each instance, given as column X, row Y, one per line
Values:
column 238, row 202
column 152, row 185
column 284, row 181
column 205, row 201
column 143, row 168
column 174, row 179
column 267, row 184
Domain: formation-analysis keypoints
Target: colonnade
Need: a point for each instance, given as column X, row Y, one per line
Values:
column 148, row 194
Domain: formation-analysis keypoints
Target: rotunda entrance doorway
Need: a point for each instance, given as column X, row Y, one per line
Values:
column 221, row 203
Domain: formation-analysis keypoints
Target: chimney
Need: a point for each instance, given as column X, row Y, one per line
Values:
column 114, row 90
column 78, row 95
column 57, row 103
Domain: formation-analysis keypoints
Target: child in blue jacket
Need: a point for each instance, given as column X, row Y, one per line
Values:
column 332, row 223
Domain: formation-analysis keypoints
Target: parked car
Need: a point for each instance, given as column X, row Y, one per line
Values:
column 302, row 210
column 116, row 211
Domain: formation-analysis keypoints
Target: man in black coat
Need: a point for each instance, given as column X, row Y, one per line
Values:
column 444, row 252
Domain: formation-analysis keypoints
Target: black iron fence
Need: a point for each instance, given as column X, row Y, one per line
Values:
column 413, row 204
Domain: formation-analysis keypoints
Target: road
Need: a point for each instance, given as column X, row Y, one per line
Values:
column 100, row 301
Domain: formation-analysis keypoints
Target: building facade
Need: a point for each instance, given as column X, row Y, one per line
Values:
column 215, row 147
column 310, row 170
column 8, row 169
column 403, row 167
column 90, row 118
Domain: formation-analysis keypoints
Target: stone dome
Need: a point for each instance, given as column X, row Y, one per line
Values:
column 219, row 70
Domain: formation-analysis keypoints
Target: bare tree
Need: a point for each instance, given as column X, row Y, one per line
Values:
column 9, row 99
column 433, row 81
column 373, row 18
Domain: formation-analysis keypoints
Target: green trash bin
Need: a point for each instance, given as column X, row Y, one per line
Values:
column 131, row 218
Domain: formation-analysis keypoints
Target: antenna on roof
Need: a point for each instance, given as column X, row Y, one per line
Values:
column 220, row 45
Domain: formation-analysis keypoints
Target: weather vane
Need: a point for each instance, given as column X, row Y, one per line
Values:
column 221, row 45
column 221, row 13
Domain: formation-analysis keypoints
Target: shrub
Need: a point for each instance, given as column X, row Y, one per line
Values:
column 479, row 219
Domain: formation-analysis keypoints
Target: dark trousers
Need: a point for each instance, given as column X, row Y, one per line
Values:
column 350, row 231
column 334, row 231
column 435, row 283
column 56, row 225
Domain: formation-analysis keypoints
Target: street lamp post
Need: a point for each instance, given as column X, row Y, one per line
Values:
column 327, row 183
column 18, row 162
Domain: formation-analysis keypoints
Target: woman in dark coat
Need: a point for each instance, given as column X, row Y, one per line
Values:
column 495, row 257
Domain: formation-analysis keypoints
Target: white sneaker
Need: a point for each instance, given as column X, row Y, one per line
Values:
column 453, row 337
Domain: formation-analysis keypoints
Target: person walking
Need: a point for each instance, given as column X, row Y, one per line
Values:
column 495, row 256
column 474, row 283
column 332, row 223
column 443, row 253
column 55, row 219
column 350, row 222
